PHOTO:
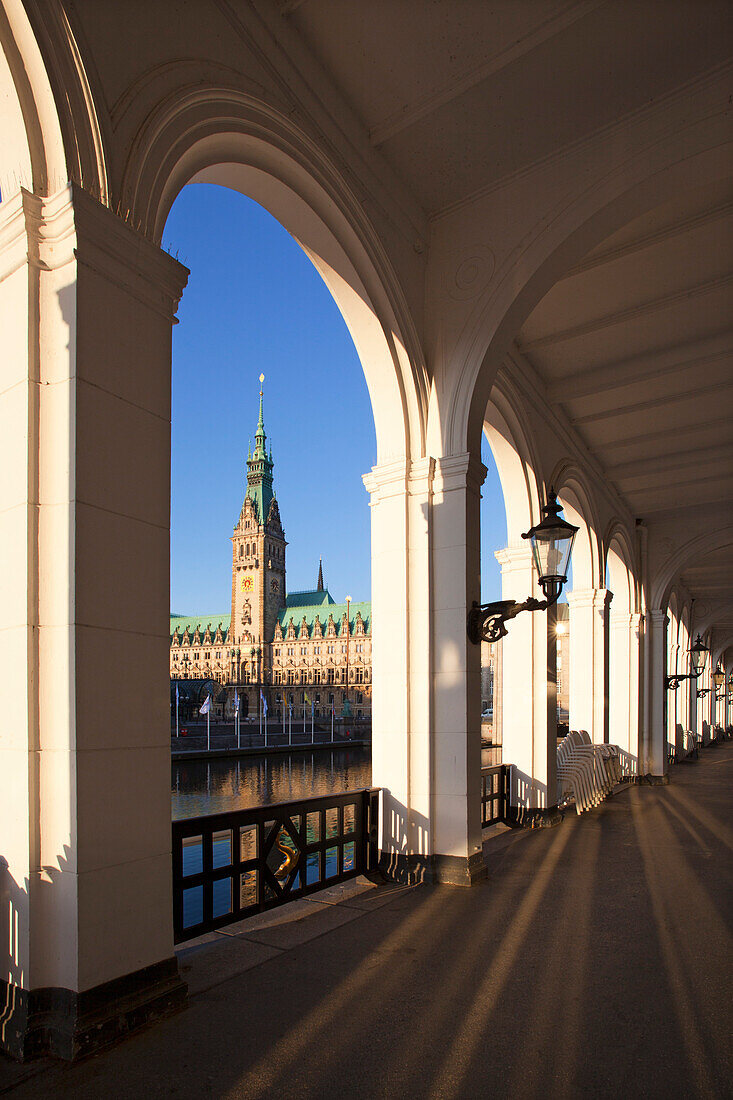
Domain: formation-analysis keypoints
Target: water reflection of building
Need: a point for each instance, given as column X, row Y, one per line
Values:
column 299, row 648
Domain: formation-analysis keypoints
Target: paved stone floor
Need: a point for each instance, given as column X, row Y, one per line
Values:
column 595, row 962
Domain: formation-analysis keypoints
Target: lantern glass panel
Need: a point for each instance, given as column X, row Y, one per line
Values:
column 697, row 656
column 551, row 548
column 718, row 677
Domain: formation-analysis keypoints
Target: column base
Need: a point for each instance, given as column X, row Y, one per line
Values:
column 448, row 870
column 546, row 817
column 71, row 1025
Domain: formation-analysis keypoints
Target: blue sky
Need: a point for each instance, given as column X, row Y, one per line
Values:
column 255, row 304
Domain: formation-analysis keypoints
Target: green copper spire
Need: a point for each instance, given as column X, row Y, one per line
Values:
column 259, row 469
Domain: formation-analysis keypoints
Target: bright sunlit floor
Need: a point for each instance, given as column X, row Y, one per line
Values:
column 595, row 962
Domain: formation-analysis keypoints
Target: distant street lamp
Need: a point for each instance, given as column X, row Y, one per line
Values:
column 552, row 543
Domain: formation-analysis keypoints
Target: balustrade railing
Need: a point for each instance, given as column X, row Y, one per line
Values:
column 228, row 866
column 494, row 794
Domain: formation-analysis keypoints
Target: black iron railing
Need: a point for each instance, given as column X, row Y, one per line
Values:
column 494, row 794
column 231, row 865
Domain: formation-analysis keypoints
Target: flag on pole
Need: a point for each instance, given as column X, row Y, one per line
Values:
column 207, row 705
column 264, row 702
column 305, row 696
column 176, row 694
column 290, row 709
column 236, row 701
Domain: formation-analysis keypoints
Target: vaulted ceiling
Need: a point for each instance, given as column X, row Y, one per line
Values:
column 634, row 344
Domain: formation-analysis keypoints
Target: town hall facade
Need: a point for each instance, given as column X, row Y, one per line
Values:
column 300, row 649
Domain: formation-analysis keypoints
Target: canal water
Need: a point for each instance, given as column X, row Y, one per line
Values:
column 200, row 787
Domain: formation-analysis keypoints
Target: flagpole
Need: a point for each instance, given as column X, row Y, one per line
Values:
column 283, row 717
column 208, row 730
column 331, row 723
column 290, row 723
column 260, row 713
column 176, row 710
column 265, row 727
column 312, row 734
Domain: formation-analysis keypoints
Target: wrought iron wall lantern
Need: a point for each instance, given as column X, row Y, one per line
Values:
column 697, row 663
column 718, row 677
column 552, row 543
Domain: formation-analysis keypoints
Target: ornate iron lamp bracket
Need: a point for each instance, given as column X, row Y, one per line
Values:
column 486, row 622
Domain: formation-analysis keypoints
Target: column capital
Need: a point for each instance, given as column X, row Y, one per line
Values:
column 514, row 557
column 463, row 471
column 622, row 619
column 387, row 479
column 397, row 477
column 597, row 598
column 114, row 250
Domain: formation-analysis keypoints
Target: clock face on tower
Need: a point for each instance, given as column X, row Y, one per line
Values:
column 274, row 585
column 248, row 584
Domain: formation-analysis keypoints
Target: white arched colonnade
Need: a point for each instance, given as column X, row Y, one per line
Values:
column 87, row 299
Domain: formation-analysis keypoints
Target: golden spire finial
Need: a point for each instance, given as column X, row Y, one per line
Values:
column 262, row 379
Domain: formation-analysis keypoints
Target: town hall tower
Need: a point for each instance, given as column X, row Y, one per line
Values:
column 258, row 553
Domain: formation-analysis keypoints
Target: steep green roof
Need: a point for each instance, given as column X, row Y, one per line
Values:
column 200, row 621
column 297, row 612
column 314, row 598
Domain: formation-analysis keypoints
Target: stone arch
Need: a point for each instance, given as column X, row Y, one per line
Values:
column 619, row 571
column 216, row 135
column 515, row 459
column 707, row 621
column 34, row 155
column 573, row 493
column 679, row 558
column 554, row 244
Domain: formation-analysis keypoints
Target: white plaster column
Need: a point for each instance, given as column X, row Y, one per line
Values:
column 426, row 745
column 589, row 661
column 674, row 703
column 684, row 702
column 653, row 760
column 623, row 702
column 529, row 689
column 455, row 583
column 700, row 711
column 86, row 307
column 401, row 713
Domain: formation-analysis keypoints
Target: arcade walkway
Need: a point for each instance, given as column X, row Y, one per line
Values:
column 596, row 961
